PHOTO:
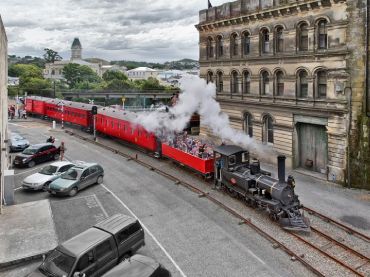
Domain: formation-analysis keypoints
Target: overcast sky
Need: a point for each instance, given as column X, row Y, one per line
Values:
column 142, row 30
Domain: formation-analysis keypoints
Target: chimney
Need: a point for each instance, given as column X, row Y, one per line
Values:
column 281, row 168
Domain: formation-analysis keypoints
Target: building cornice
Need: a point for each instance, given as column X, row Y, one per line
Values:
column 290, row 8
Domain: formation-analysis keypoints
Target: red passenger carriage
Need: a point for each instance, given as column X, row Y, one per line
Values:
column 117, row 123
column 36, row 105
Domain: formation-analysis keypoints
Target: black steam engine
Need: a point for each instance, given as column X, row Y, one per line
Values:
column 240, row 176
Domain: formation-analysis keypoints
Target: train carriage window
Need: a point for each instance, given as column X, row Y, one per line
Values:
column 124, row 128
column 132, row 131
column 139, row 133
column 232, row 160
column 111, row 124
column 245, row 157
column 119, row 126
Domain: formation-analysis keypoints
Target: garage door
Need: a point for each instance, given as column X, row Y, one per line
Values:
column 313, row 147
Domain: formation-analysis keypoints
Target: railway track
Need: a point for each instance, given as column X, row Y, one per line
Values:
column 332, row 248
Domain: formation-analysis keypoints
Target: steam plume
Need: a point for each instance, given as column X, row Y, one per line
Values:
column 198, row 96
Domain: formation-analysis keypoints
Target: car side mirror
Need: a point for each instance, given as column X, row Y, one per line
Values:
column 43, row 257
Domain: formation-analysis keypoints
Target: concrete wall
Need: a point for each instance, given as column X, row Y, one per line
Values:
column 3, row 106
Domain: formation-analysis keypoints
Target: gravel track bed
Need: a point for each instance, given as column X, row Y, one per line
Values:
column 331, row 229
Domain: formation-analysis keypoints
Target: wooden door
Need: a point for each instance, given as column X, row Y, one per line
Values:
column 313, row 147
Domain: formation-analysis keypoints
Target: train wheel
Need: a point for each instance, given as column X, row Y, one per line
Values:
column 232, row 192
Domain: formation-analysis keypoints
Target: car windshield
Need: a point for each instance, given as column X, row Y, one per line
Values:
column 57, row 264
column 30, row 151
column 49, row 170
column 72, row 174
column 17, row 137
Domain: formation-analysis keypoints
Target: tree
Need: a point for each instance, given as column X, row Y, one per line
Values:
column 76, row 74
column 25, row 71
column 51, row 56
column 111, row 75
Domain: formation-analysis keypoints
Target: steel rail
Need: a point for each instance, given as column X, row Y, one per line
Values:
column 328, row 255
column 343, row 226
column 355, row 252
column 202, row 193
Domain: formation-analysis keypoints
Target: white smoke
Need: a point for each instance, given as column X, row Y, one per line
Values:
column 198, row 96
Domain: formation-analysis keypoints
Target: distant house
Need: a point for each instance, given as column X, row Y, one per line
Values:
column 113, row 67
column 55, row 70
column 142, row 73
column 13, row 81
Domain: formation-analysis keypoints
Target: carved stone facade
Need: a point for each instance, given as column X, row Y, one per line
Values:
column 285, row 74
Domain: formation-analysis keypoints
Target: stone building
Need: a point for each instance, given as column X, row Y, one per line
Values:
column 55, row 70
column 292, row 74
column 3, row 108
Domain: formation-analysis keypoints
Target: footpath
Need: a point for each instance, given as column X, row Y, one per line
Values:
column 27, row 232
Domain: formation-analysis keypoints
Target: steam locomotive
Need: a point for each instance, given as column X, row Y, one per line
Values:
column 242, row 177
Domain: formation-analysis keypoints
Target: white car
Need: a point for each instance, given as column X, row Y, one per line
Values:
column 46, row 175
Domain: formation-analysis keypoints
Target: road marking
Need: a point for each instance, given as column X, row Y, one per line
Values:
column 18, row 188
column 75, row 198
column 147, row 230
column 100, row 205
column 20, row 173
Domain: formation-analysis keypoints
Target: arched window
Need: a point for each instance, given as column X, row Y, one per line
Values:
column 246, row 82
column 321, row 83
column 246, row 43
column 247, row 124
column 265, row 41
column 234, row 82
column 265, row 83
column 52, row 72
column 234, row 45
column 268, row 129
column 279, row 83
column 279, row 44
column 322, row 35
column 219, row 47
column 210, row 52
column 302, row 84
column 209, row 77
column 219, row 82
column 303, row 37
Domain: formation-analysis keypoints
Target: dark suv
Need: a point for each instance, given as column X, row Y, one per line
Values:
column 37, row 153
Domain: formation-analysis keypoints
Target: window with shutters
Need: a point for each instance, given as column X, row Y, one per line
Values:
column 265, row 83
column 265, row 41
column 220, row 82
column 321, row 79
column 246, row 43
column 303, row 37
column 246, row 82
column 322, row 34
column 234, row 45
column 302, row 84
column 234, row 82
column 279, row 83
column 279, row 39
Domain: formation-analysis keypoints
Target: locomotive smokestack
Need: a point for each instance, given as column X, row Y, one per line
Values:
column 281, row 168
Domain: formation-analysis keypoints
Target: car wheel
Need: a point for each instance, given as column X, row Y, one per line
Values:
column 56, row 157
column 31, row 164
column 99, row 180
column 73, row 192
column 45, row 186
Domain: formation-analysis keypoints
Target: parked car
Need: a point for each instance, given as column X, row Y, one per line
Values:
column 17, row 142
column 77, row 178
column 37, row 153
column 46, row 175
column 96, row 250
column 138, row 266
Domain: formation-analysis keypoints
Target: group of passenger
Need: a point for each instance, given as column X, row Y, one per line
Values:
column 190, row 145
column 21, row 112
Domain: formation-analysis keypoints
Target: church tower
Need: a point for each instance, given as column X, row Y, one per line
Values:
column 76, row 50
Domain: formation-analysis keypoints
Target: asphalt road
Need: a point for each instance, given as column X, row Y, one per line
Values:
column 189, row 235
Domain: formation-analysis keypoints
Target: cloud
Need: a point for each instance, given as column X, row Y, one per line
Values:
column 149, row 30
